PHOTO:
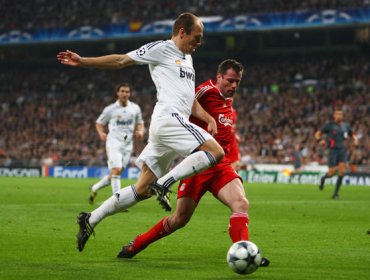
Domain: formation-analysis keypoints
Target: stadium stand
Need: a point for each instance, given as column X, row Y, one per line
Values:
column 48, row 112
column 56, row 14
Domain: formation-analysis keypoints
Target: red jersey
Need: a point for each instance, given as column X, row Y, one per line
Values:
column 234, row 118
column 216, row 177
column 219, row 107
column 234, row 154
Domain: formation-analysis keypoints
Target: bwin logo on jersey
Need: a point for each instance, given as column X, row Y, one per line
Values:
column 224, row 120
column 128, row 122
column 188, row 75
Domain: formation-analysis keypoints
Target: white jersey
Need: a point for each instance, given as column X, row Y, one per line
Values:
column 121, row 122
column 173, row 75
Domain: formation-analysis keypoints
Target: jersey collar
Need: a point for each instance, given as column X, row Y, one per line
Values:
column 119, row 103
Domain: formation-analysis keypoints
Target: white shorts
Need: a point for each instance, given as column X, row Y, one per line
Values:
column 170, row 136
column 118, row 157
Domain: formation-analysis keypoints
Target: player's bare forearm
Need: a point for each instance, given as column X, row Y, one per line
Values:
column 101, row 132
column 198, row 112
column 139, row 131
column 318, row 138
column 318, row 135
column 113, row 61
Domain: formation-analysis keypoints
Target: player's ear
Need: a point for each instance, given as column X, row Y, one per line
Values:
column 182, row 32
column 218, row 76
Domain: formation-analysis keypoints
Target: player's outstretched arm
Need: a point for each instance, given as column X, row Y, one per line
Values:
column 112, row 61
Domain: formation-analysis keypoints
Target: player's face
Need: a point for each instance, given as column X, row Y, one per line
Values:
column 193, row 40
column 228, row 83
column 123, row 95
column 338, row 116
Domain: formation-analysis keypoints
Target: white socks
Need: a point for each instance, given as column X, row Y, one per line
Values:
column 101, row 184
column 128, row 197
column 115, row 182
column 123, row 199
column 191, row 165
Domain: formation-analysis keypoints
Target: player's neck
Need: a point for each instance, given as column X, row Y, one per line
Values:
column 177, row 41
column 123, row 104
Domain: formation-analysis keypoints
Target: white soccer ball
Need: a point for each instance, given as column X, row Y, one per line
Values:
column 244, row 257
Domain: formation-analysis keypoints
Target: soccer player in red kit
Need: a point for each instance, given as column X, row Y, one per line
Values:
column 221, row 180
column 234, row 153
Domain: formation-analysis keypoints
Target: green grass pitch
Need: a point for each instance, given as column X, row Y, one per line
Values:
column 304, row 233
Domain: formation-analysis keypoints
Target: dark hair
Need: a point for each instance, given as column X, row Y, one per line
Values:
column 186, row 21
column 230, row 63
column 122, row 85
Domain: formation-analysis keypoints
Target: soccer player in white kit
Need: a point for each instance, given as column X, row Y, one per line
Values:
column 125, row 122
column 170, row 133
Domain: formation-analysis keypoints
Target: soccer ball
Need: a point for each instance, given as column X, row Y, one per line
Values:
column 244, row 257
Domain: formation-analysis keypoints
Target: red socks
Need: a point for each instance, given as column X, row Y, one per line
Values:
column 238, row 228
column 161, row 229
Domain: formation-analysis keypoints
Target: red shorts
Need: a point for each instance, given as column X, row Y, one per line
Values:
column 212, row 179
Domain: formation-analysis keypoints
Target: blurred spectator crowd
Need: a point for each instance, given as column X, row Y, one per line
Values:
column 47, row 115
column 71, row 14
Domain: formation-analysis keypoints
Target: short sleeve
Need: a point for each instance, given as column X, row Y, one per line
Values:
column 104, row 117
column 151, row 53
column 326, row 128
column 139, row 116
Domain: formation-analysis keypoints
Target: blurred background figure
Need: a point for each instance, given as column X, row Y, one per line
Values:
column 336, row 132
column 125, row 123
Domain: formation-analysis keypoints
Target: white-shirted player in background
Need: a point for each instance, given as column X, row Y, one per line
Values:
column 170, row 133
column 125, row 122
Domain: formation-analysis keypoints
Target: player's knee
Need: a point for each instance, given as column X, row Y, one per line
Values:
column 330, row 173
column 116, row 171
column 240, row 205
column 218, row 153
column 143, row 191
column 212, row 147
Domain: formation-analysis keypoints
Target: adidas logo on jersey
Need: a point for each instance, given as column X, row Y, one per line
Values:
column 187, row 75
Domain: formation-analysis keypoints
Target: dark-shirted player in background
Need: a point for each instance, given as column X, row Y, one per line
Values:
column 221, row 180
column 297, row 159
column 336, row 132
